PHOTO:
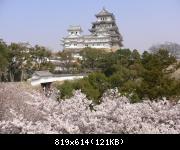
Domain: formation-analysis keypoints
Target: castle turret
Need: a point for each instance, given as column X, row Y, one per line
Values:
column 75, row 31
column 74, row 41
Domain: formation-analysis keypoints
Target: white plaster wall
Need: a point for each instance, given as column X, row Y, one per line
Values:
column 52, row 79
column 80, row 42
column 109, row 19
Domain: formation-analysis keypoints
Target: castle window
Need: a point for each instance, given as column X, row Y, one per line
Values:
column 102, row 18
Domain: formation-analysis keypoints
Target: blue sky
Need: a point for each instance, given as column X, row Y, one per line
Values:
column 142, row 23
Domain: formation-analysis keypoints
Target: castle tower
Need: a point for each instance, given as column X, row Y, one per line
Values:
column 105, row 25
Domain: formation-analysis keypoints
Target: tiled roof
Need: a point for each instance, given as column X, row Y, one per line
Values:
column 103, row 12
column 43, row 73
column 75, row 28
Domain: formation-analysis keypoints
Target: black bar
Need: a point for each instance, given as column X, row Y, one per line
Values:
column 109, row 141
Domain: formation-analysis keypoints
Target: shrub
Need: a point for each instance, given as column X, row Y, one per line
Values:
column 116, row 80
column 99, row 81
column 66, row 89
column 86, row 87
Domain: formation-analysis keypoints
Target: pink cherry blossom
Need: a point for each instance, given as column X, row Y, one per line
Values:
column 25, row 110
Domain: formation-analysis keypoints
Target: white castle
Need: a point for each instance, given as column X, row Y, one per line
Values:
column 104, row 35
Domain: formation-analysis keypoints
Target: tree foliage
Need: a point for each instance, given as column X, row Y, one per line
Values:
column 19, row 60
column 172, row 48
column 4, row 56
column 93, row 59
column 136, row 76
